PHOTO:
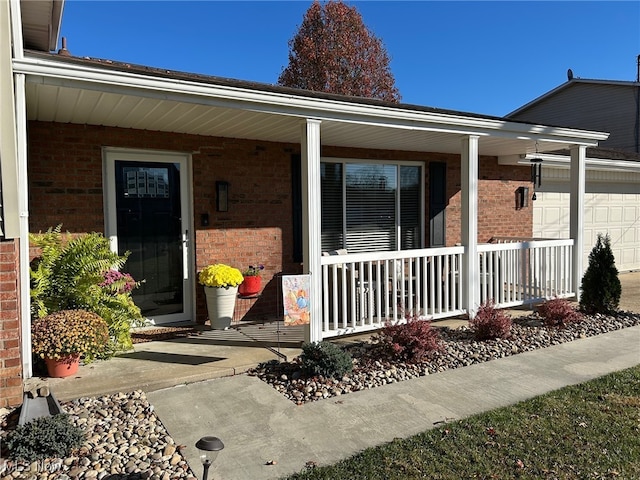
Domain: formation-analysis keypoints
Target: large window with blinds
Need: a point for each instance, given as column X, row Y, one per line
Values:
column 370, row 206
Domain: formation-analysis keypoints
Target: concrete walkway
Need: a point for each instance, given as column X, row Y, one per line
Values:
column 259, row 426
column 161, row 364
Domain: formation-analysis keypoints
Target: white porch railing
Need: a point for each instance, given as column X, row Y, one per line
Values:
column 525, row 272
column 361, row 291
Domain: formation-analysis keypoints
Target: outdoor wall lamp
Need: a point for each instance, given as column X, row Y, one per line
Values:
column 222, row 196
column 209, row 447
column 522, row 197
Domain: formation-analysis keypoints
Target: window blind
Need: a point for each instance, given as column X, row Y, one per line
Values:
column 370, row 207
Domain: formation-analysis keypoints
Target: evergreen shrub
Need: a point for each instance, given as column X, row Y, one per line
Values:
column 45, row 437
column 325, row 359
column 601, row 287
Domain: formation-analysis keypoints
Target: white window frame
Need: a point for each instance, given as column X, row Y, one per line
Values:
column 397, row 164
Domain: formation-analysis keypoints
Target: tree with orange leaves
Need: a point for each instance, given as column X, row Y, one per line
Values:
column 334, row 52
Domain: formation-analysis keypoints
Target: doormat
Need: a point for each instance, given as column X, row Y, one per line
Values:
column 162, row 333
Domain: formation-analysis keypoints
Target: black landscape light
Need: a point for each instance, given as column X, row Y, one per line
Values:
column 209, row 448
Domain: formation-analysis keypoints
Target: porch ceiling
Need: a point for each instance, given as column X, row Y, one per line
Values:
column 57, row 91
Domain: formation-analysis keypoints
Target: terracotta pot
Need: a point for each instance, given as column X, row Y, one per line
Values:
column 250, row 286
column 65, row 367
column 221, row 303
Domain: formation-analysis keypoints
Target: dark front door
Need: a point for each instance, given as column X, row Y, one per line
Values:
column 150, row 224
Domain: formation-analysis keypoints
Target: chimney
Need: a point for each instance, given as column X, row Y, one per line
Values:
column 63, row 51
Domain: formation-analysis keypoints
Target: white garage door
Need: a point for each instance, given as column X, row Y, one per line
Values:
column 616, row 214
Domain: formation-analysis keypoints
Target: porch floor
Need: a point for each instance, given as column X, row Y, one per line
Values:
column 212, row 354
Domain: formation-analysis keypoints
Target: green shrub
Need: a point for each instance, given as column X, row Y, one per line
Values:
column 325, row 359
column 601, row 287
column 411, row 342
column 490, row 323
column 558, row 313
column 78, row 274
column 45, row 437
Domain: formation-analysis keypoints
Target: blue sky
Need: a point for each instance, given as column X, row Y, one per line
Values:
column 481, row 57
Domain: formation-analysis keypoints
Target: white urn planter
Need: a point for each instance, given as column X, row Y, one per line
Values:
column 221, row 303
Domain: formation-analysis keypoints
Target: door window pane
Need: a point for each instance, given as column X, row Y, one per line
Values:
column 150, row 227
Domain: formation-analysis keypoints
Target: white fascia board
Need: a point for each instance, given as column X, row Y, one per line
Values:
column 563, row 161
column 82, row 76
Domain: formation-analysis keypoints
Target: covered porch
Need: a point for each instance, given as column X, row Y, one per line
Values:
column 360, row 291
column 217, row 125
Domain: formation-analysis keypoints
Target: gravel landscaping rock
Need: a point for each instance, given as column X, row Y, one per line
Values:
column 461, row 349
column 125, row 440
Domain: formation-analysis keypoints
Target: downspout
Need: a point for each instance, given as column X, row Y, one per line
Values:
column 23, row 193
column 23, row 208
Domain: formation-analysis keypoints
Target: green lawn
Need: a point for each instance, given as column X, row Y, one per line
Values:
column 589, row 431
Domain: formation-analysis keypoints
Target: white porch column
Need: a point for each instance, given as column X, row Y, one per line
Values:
column 577, row 176
column 469, row 227
column 311, row 245
column 23, row 206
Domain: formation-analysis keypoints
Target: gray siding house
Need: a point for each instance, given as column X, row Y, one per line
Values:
column 612, row 198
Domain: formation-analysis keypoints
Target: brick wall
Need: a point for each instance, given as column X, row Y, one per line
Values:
column 497, row 214
column 65, row 168
column 10, row 359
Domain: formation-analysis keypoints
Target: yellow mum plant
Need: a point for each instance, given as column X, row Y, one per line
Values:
column 221, row 276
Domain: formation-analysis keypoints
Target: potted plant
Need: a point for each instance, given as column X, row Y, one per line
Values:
column 81, row 272
column 220, row 288
column 62, row 337
column 252, row 282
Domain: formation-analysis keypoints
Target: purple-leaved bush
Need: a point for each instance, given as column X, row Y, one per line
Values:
column 490, row 323
column 558, row 313
column 412, row 342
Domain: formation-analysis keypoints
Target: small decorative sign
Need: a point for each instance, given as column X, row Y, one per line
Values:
column 296, row 301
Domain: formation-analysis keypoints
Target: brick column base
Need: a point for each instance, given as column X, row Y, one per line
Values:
column 10, row 356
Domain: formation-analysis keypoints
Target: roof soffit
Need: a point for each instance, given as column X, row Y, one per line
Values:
column 59, row 91
column 41, row 20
